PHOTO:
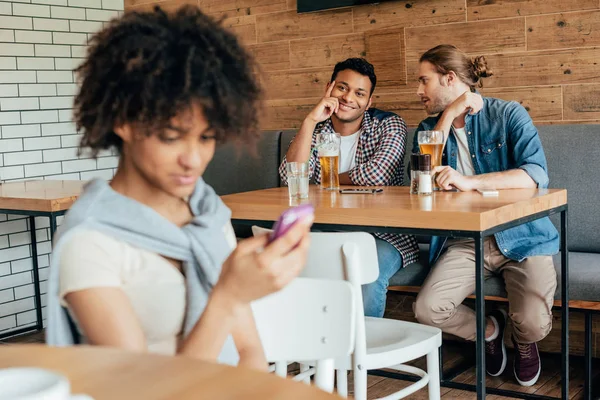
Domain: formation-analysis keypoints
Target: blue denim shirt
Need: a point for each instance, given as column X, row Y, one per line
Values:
column 502, row 137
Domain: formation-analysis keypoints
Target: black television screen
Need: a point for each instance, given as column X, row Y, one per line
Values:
column 317, row 5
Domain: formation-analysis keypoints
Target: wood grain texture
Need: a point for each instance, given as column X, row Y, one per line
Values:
column 290, row 25
column 560, row 31
column 385, row 50
column 553, row 67
column 47, row 196
column 534, row 47
column 582, row 102
column 296, row 84
column 405, row 104
column 106, row 373
column 398, row 14
column 235, row 8
column 395, row 207
column 244, row 27
column 542, row 103
column 492, row 9
column 504, row 35
column 326, row 51
column 169, row 5
column 288, row 114
column 272, row 56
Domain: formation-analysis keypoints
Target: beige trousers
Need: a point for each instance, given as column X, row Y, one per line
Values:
column 530, row 286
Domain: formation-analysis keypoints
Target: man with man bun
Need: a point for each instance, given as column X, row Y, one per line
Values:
column 490, row 144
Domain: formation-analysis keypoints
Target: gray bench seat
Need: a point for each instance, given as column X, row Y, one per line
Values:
column 584, row 276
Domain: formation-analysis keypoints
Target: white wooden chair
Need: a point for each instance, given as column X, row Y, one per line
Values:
column 310, row 319
column 379, row 342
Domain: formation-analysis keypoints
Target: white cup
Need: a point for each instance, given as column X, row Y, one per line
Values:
column 35, row 384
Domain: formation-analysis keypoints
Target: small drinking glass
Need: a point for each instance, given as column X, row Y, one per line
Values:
column 297, row 178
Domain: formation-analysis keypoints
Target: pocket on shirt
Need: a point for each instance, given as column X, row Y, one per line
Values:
column 491, row 147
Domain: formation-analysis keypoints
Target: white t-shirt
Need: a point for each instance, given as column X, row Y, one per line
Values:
column 155, row 288
column 464, row 164
column 348, row 151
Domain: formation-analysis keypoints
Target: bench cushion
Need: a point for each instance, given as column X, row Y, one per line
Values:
column 235, row 168
column 584, row 271
column 572, row 152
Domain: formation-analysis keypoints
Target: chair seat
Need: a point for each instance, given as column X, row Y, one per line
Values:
column 391, row 342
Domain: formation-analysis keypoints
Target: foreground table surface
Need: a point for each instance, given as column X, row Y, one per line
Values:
column 44, row 196
column 105, row 373
column 396, row 207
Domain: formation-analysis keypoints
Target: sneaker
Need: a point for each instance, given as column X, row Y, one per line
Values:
column 495, row 351
column 528, row 365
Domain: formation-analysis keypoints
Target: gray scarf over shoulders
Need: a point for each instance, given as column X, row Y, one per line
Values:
column 201, row 246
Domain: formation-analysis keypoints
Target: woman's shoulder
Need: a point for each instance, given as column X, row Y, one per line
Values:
column 84, row 240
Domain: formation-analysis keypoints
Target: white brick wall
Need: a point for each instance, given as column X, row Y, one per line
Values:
column 41, row 42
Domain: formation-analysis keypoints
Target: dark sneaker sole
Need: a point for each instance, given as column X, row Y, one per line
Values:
column 504, row 357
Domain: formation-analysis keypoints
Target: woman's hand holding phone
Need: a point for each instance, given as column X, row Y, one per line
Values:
column 258, row 266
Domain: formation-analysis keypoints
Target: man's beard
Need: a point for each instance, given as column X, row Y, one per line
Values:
column 438, row 105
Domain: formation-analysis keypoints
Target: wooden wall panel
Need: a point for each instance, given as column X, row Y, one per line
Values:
column 244, row 27
column 288, row 114
column 233, row 8
column 542, row 103
column 296, row 84
column 385, row 50
column 479, row 9
column 407, row 105
column 545, row 53
column 544, row 68
column 290, row 25
column 326, row 51
column 560, row 31
column 582, row 102
column 169, row 5
column 272, row 56
column 408, row 13
column 505, row 35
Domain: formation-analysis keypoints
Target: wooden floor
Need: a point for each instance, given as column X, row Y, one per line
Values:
column 454, row 353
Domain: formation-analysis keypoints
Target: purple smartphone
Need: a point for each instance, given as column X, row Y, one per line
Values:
column 288, row 218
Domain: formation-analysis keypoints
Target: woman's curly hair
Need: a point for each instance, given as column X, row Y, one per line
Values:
column 147, row 67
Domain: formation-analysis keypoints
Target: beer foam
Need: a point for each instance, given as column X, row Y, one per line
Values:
column 328, row 153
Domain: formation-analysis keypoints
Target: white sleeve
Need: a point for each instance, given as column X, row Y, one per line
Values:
column 87, row 260
column 230, row 235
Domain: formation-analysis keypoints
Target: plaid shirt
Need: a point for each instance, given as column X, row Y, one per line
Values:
column 379, row 162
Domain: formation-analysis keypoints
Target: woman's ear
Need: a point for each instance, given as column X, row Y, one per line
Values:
column 124, row 132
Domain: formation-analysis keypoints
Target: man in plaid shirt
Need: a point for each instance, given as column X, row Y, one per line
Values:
column 371, row 154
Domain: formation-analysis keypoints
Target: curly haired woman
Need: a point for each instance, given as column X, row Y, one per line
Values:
column 149, row 261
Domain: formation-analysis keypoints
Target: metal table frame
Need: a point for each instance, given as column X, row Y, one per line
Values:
column 478, row 237
column 52, row 215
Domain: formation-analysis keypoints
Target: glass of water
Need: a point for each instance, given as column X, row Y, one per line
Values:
column 297, row 177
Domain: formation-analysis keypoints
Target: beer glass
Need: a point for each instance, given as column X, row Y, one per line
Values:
column 432, row 143
column 328, row 149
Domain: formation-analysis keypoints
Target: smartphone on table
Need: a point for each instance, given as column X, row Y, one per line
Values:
column 290, row 217
column 361, row 191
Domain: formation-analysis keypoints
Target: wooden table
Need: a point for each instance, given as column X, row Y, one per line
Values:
column 38, row 199
column 457, row 214
column 112, row 374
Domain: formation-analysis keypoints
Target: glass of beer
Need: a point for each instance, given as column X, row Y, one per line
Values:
column 328, row 148
column 432, row 143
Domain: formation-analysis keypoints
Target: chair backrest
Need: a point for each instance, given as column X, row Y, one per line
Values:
column 308, row 320
column 325, row 258
column 344, row 256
